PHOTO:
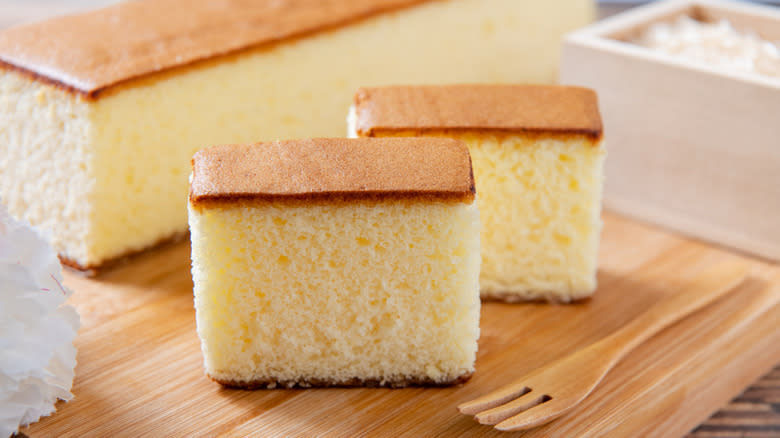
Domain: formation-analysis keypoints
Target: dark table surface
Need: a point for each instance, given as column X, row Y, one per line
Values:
column 753, row 414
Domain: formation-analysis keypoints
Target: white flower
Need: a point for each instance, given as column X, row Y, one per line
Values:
column 37, row 328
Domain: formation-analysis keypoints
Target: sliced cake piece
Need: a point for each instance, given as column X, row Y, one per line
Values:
column 538, row 162
column 336, row 262
column 101, row 112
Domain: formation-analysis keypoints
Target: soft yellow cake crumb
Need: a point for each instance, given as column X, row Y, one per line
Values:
column 540, row 203
column 383, row 291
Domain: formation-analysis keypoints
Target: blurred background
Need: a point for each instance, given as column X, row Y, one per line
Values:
column 21, row 11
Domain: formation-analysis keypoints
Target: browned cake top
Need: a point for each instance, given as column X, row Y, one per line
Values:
column 90, row 52
column 509, row 108
column 323, row 169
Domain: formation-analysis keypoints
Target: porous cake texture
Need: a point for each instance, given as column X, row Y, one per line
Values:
column 103, row 178
column 538, row 165
column 102, row 111
column 336, row 262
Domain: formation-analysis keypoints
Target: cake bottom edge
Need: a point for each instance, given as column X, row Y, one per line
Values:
column 535, row 297
column 92, row 270
column 354, row 382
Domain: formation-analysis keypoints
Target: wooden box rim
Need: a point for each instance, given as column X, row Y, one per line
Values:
column 612, row 33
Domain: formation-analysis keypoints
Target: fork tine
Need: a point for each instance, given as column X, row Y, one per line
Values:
column 536, row 415
column 518, row 405
column 493, row 399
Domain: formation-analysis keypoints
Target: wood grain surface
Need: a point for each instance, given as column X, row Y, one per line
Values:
column 140, row 366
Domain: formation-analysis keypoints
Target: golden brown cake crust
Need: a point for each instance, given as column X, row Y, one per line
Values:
column 90, row 52
column 320, row 383
column 334, row 169
column 497, row 108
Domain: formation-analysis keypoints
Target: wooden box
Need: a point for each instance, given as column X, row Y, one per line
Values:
column 690, row 147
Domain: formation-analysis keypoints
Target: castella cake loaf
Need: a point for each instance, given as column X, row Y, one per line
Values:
column 101, row 112
column 538, row 165
column 336, row 262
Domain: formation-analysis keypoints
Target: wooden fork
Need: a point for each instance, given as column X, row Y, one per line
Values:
column 553, row 390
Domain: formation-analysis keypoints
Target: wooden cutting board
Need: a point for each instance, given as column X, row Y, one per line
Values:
column 140, row 366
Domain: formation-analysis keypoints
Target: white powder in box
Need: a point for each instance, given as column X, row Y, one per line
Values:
column 719, row 45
